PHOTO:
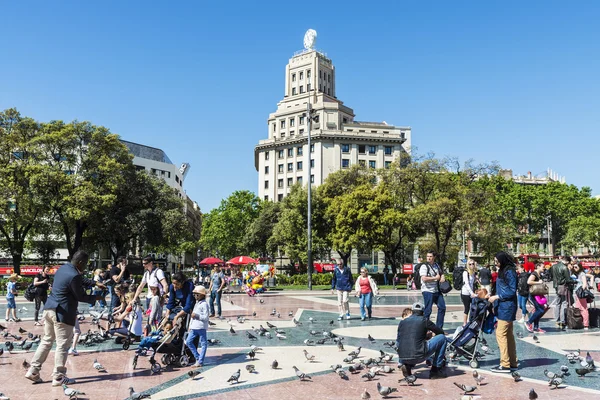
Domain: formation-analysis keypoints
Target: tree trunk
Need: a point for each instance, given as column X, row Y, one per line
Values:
column 17, row 257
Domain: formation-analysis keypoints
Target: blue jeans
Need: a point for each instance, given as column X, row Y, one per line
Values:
column 436, row 348
column 385, row 279
column 438, row 299
column 102, row 301
column 365, row 300
column 192, row 335
column 215, row 296
column 114, row 299
column 537, row 314
column 522, row 303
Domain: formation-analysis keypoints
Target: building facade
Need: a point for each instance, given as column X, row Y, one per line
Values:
column 338, row 141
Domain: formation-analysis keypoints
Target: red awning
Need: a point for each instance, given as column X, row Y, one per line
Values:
column 211, row 260
column 242, row 260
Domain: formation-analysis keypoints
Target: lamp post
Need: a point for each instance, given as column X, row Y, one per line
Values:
column 309, row 117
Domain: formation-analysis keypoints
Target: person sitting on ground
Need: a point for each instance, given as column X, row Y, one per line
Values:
column 413, row 346
column 407, row 312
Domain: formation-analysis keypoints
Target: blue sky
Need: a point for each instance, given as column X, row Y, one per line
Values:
column 511, row 81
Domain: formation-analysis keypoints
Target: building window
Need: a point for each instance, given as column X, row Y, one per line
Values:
column 345, row 163
column 290, row 182
column 312, row 163
column 279, row 197
column 362, row 163
column 299, row 151
column 372, row 149
column 266, row 155
column 387, row 164
column 292, row 122
column 293, row 91
column 388, row 150
column 293, row 77
column 292, row 133
column 362, row 149
column 328, row 77
column 274, row 126
column 279, row 183
column 344, row 120
column 266, row 197
column 373, row 131
column 266, row 170
column 328, row 91
column 312, row 148
column 280, row 154
column 301, row 122
column 299, row 180
column 266, row 184
column 300, row 132
column 176, row 177
column 299, row 166
column 290, row 166
column 312, row 179
column 345, row 148
column 283, row 124
column 301, row 75
column 280, row 168
column 372, row 164
column 308, row 74
column 308, row 87
column 301, row 89
column 291, row 152
column 320, row 74
column 282, row 135
column 320, row 88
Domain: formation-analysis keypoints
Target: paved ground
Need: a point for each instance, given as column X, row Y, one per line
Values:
column 314, row 310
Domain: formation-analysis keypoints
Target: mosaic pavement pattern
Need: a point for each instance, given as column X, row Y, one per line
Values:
column 316, row 311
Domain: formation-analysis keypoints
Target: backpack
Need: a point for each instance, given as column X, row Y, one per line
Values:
column 417, row 276
column 522, row 286
column 457, row 277
column 30, row 292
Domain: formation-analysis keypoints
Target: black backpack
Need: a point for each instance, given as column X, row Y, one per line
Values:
column 457, row 277
column 417, row 276
column 522, row 286
column 30, row 292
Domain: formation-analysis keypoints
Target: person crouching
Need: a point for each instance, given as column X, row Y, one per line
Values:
column 199, row 326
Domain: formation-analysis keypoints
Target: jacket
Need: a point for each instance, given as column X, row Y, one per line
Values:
column 506, row 289
column 411, row 339
column 182, row 297
column 560, row 274
column 200, row 319
column 342, row 279
column 374, row 287
column 67, row 292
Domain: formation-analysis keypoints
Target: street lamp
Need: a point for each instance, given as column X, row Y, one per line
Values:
column 310, row 116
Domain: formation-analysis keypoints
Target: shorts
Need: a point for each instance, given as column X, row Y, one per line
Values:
column 11, row 303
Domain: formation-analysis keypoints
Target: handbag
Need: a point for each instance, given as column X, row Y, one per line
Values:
column 539, row 289
column 445, row 287
column 584, row 294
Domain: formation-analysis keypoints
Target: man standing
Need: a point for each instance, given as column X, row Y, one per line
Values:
column 386, row 271
column 342, row 283
column 118, row 274
column 60, row 315
column 560, row 277
column 485, row 279
column 154, row 277
column 217, row 282
column 431, row 276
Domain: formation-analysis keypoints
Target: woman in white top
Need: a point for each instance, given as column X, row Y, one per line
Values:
column 582, row 304
column 467, row 290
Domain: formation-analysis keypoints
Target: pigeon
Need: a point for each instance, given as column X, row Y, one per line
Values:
column 273, row 312
column 365, row 395
column 390, row 343
column 274, row 364
column 355, row 353
column 250, row 336
column 556, row 382
column 370, row 338
column 30, row 335
column 520, row 335
column 310, row 319
column 465, row 388
column 270, row 325
column 251, row 368
column 532, row 394
column 297, row 323
column 254, row 314
column 16, row 337
column 136, row 396
column 210, row 323
column 235, row 377
column 342, row 374
column 240, row 319
column 478, row 378
column 22, row 309
column 313, row 333
column 21, row 330
column 251, row 354
column 387, row 369
column 194, row 374
column 321, row 341
column 340, row 345
column 516, row 376
column 549, row 374
column 231, row 330
column 214, row 341
column 2, row 328
column 9, row 346
column 308, row 356
column 27, row 346
column 368, row 376
column 231, row 302
column 256, row 349
column 301, row 375
column 589, row 360
column 349, row 359
column 268, row 335
column 277, row 331
column 335, row 367
column 98, row 366
column 582, row 371
column 309, row 342
column 535, row 338
column 261, row 301
column 356, row 368
column 565, row 370
column 1, row 351
column 280, row 336
column 72, row 393
column 25, row 364
column 331, row 322
column 3, row 397
column 410, row 380
column 385, row 391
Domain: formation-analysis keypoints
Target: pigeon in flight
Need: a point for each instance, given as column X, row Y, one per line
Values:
column 133, row 395
column 98, row 366
column 301, row 375
column 478, row 378
column 235, row 377
column 274, row 364
column 532, row 394
column 410, row 380
column 385, row 391
column 465, row 388
column 251, row 368
column 308, row 356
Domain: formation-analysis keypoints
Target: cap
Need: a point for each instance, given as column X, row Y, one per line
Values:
column 200, row 290
column 418, row 306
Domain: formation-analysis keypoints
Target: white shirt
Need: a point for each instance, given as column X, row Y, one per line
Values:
column 201, row 319
column 468, row 282
column 432, row 270
column 153, row 278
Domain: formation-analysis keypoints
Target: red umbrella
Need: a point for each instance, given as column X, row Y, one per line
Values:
column 242, row 260
column 211, row 260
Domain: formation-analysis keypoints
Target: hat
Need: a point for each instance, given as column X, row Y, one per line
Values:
column 200, row 290
column 418, row 306
column 14, row 276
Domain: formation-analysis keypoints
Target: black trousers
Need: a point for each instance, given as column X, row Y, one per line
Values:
column 39, row 300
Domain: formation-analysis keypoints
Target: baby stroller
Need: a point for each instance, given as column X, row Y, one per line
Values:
column 172, row 347
column 467, row 340
column 128, row 338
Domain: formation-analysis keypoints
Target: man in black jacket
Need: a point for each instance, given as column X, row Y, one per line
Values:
column 60, row 315
column 413, row 346
column 560, row 277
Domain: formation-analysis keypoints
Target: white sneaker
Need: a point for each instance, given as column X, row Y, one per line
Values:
column 347, row 316
column 522, row 320
column 63, row 381
column 340, row 318
column 73, row 352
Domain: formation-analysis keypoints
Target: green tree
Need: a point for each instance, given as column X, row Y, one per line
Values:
column 258, row 233
column 583, row 231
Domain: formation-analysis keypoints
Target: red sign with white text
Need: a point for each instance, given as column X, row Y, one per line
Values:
column 28, row 270
column 407, row 269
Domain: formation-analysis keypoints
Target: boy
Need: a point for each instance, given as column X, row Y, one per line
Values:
column 198, row 326
column 11, row 292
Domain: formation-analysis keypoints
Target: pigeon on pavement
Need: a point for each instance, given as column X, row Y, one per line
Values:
column 355, row 353
column 251, row 354
column 342, row 374
column 340, row 345
column 336, row 367
column 133, row 395
column 478, row 378
column 301, row 375
column 21, row 330
column 465, row 388
column 368, row 376
column 532, row 394
column 255, row 348
column 250, row 336
column 231, row 330
column 549, row 374
column 1, row 352
column 271, row 326
column 27, row 346
column 194, row 374
column 349, row 359
column 280, row 336
column 9, row 346
column 308, row 356
column 98, row 366
column 274, row 364
column 290, row 314
column 582, row 371
column 410, row 380
column 516, row 376
column 26, row 364
column 251, row 368
column 235, row 377
column 370, row 338
column 385, row 391
column 309, row 342
column 214, row 341
column 365, row 395
column 556, row 382
column 71, row 393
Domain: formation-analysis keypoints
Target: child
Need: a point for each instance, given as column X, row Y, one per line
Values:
column 11, row 292
column 154, row 337
column 131, row 315
column 409, row 283
column 198, row 326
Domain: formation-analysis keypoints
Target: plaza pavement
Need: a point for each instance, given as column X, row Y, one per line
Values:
column 281, row 383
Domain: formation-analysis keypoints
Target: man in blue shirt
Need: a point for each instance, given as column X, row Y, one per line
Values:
column 342, row 283
column 60, row 314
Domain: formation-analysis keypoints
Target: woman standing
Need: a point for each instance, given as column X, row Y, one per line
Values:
column 467, row 291
column 365, row 286
column 523, row 292
column 581, row 303
column 533, row 324
column 505, row 308
column 42, row 285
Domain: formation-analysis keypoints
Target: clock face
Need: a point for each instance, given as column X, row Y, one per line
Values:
column 310, row 39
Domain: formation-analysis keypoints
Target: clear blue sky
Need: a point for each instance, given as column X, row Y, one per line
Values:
column 517, row 82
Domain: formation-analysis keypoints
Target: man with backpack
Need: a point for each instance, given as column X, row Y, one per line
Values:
column 154, row 277
column 432, row 275
column 485, row 279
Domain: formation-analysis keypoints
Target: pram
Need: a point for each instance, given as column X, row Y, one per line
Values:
column 466, row 341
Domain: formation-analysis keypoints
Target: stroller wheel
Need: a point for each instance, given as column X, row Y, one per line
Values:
column 155, row 368
column 126, row 345
column 184, row 361
column 474, row 364
column 165, row 359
